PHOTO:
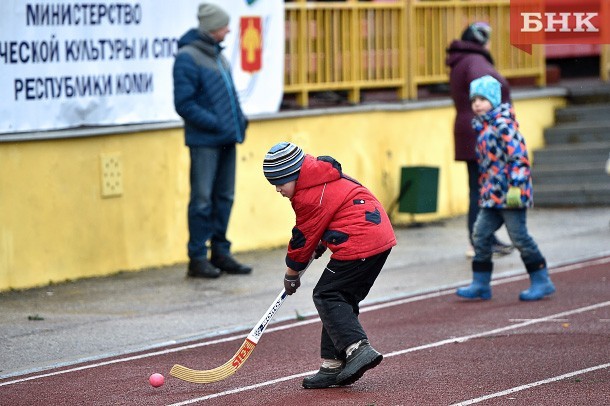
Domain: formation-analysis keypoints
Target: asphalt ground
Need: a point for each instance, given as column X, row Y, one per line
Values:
column 438, row 350
column 95, row 319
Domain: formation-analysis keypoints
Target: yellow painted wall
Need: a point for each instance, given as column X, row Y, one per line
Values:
column 56, row 225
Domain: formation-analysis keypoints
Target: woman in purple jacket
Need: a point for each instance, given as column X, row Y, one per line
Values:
column 468, row 58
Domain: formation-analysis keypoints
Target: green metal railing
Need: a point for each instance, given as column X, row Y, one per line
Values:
column 351, row 45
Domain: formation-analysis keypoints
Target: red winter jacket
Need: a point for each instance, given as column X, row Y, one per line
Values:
column 336, row 209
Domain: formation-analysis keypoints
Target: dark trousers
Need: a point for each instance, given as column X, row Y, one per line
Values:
column 337, row 295
column 473, row 205
column 473, row 195
column 489, row 220
column 212, row 189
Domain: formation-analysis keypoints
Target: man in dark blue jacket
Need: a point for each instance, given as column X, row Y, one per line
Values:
column 205, row 97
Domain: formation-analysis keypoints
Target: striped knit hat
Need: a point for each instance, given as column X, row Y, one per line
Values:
column 282, row 163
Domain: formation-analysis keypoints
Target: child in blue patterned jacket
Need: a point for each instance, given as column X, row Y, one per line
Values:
column 506, row 192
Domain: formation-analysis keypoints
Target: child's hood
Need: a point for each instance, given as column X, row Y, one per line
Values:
column 504, row 114
column 504, row 111
column 317, row 171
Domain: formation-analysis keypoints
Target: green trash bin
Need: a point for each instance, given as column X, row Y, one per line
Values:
column 418, row 189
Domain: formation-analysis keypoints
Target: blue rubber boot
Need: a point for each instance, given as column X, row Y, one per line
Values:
column 540, row 287
column 479, row 288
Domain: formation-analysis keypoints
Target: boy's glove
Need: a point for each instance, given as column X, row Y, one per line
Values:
column 291, row 283
column 513, row 198
column 320, row 249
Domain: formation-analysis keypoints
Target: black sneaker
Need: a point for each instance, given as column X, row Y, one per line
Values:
column 358, row 362
column 202, row 269
column 229, row 265
column 324, row 378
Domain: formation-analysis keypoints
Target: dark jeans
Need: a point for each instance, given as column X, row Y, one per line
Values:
column 337, row 295
column 489, row 220
column 473, row 205
column 212, row 190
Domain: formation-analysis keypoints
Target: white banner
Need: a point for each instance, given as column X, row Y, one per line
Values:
column 67, row 64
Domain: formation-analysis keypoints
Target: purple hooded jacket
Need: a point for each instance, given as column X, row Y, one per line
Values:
column 468, row 61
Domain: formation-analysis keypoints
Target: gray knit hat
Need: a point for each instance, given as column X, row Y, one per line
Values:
column 282, row 163
column 211, row 17
column 478, row 32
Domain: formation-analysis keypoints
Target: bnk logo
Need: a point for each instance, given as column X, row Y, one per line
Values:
column 532, row 22
column 558, row 22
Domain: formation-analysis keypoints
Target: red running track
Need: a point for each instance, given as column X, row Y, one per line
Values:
column 439, row 350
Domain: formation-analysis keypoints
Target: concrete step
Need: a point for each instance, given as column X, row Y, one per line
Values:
column 561, row 174
column 572, row 154
column 571, row 169
column 594, row 92
column 571, row 133
column 583, row 194
column 583, row 113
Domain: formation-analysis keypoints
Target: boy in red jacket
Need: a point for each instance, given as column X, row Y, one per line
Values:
column 335, row 211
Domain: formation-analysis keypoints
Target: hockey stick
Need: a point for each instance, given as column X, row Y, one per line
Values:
column 231, row 366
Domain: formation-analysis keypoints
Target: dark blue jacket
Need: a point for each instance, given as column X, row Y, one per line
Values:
column 204, row 93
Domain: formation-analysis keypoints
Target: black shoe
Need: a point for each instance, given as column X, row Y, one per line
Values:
column 228, row 264
column 324, row 378
column 202, row 269
column 358, row 362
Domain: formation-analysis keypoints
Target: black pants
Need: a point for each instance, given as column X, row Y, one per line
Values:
column 337, row 295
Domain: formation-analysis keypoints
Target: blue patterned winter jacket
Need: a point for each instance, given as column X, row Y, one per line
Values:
column 204, row 93
column 502, row 156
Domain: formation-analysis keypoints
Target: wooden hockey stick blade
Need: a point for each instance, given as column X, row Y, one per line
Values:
column 217, row 374
column 231, row 366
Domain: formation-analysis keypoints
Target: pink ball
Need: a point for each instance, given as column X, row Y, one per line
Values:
column 156, row 380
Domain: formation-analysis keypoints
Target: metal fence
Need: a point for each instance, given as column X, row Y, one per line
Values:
column 352, row 45
column 345, row 46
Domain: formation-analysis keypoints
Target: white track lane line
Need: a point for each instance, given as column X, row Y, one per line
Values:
column 531, row 385
column 559, row 269
column 407, row 350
